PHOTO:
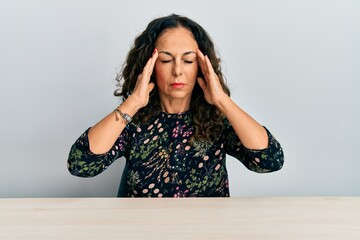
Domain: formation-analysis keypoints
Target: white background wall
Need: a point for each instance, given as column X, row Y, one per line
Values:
column 293, row 65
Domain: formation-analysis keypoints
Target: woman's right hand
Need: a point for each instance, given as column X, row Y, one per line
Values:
column 143, row 85
column 103, row 135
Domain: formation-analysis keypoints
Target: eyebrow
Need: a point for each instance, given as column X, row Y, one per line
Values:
column 184, row 54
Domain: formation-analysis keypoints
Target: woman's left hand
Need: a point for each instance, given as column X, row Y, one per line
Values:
column 211, row 86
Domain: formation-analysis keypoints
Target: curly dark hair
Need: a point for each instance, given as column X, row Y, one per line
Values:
column 207, row 118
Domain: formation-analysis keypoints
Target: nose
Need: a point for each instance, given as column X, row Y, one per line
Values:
column 177, row 68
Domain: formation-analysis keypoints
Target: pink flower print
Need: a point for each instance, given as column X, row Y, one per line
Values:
column 176, row 132
column 187, row 133
column 179, row 130
column 180, row 193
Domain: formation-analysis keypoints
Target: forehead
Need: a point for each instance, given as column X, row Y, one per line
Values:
column 176, row 39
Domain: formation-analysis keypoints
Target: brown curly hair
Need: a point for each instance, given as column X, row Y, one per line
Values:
column 207, row 118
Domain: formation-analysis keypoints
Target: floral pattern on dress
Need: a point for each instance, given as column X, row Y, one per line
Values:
column 163, row 161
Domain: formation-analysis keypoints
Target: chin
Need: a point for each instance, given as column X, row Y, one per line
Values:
column 179, row 95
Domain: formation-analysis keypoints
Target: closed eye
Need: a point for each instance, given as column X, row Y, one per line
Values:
column 186, row 61
column 165, row 61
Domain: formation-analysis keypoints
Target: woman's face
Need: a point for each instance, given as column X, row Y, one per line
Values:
column 176, row 67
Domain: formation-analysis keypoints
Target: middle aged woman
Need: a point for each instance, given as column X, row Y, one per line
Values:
column 177, row 121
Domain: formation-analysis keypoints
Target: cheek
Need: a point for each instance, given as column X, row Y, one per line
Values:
column 159, row 74
column 193, row 72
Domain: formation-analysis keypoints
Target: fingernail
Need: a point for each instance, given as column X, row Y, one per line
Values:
column 154, row 51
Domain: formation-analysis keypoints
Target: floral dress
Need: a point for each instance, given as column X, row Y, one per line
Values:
column 163, row 161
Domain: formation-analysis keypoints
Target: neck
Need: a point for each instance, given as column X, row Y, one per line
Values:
column 175, row 105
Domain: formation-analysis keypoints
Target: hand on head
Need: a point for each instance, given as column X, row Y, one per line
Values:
column 211, row 84
column 143, row 85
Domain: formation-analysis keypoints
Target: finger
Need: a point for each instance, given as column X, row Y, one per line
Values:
column 199, row 54
column 149, row 66
column 202, row 83
column 154, row 58
column 202, row 62
column 201, row 59
column 208, row 64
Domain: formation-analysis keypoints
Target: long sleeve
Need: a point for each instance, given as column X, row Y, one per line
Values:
column 84, row 163
column 265, row 160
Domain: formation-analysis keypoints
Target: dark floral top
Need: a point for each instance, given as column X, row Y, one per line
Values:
column 162, row 162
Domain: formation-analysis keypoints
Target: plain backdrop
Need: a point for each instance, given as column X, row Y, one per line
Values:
column 293, row 65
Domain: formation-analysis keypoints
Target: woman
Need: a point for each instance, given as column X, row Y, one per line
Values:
column 176, row 122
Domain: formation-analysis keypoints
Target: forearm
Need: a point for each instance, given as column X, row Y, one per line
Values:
column 251, row 134
column 103, row 135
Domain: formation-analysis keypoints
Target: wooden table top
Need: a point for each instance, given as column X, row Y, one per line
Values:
column 191, row 218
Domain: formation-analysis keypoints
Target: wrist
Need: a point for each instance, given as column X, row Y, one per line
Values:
column 131, row 105
column 222, row 102
column 126, row 118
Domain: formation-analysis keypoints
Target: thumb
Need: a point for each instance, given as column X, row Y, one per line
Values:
column 202, row 83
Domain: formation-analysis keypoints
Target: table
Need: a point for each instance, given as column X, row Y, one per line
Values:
column 191, row 218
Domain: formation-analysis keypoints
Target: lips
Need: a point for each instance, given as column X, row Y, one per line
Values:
column 177, row 85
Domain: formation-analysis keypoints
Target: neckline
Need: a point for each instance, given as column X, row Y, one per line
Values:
column 176, row 115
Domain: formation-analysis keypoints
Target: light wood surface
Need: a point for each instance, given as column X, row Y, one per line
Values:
column 197, row 218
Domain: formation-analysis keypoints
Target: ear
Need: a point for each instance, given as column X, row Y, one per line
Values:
column 151, row 86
